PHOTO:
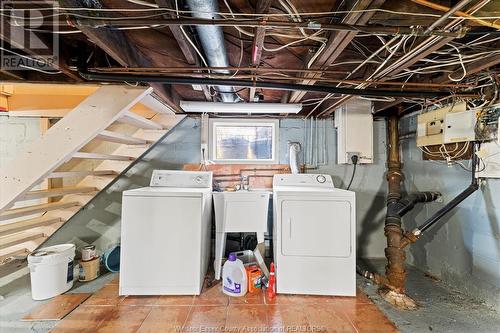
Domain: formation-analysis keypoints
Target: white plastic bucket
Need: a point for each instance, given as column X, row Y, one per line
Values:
column 51, row 270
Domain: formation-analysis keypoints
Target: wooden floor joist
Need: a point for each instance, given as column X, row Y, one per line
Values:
column 19, row 238
column 35, row 209
column 56, row 192
column 97, row 156
column 139, row 121
column 10, row 228
column 120, row 138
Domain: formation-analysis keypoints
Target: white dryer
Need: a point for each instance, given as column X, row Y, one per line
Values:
column 165, row 234
column 314, row 236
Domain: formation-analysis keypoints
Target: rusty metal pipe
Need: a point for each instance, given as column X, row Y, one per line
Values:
column 395, row 269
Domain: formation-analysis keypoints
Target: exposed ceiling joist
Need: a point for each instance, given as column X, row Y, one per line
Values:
column 183, row 42
column 117, row 45
column 262, row 7
column 186, row 48
column 422, row 50
column 16, row 40
column 470, row 69
column 338, row 41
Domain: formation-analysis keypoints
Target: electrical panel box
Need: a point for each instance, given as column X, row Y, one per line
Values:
column 459, row 127
column 431, row 125
column 354, row 123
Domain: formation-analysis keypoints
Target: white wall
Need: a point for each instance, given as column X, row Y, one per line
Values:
column 369, row 182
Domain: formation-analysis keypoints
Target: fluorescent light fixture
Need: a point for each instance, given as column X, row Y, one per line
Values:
column 219, row 107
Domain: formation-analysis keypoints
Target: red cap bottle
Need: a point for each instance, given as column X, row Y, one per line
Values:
column 271, row 286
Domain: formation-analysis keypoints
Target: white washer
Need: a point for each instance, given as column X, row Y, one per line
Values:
column 314, row 236
column 165, row 234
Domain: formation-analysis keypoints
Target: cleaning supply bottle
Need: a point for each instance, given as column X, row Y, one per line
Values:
column 271, row 285
column 234, row 277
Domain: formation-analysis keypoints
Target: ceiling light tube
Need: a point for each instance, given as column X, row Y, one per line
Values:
column 218, row 107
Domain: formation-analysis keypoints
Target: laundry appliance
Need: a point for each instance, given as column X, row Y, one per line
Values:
column 314, row 236
column 165, row 235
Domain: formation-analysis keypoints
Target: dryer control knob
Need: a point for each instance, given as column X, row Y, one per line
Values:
column 321, row 179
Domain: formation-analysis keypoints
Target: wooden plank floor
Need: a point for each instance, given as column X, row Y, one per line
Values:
column 57, row 308
column 213, row 311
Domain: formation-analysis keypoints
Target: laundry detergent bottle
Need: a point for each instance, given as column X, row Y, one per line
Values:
column 234, row 277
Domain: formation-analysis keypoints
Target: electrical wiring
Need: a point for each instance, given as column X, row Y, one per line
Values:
column 464, row 74
column 144, row 3
column 189, row 39
column 241, row 43
column 250, row 34
column 393, row 51
column 69, row 32
column 361, row 64
column 291, row 43
column 40, row 70
column 240, row 29
column 290, row 8
column 316, row 55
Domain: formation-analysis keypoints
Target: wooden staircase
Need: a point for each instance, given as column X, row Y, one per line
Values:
column 82, row 153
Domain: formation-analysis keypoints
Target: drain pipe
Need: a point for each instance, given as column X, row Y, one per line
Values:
column 395, row 269
column 393, row 283
column 413, row 236
column 212, row 42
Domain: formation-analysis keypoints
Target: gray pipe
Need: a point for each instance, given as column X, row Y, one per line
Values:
column 212, row 41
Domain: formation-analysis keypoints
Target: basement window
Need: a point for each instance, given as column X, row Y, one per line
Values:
column 243, row 141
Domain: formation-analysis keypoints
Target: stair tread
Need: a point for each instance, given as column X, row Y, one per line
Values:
column 18, row 238
column 59, row 191
column 99, row 156
column 34, row 209
column 10, row 228
column 139, row 121
column 121, row 138
column 69, row 174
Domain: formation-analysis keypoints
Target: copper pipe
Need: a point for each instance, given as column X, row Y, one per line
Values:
column 448, row 13
column 457, row 13
column 276, row 77
column 100, row 22
column 230, row 68
column 323, row 79
column 395, row 269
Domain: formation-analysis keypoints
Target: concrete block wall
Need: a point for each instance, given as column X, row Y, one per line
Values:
column 464, row 248
column 14, row 134
column 99, row 222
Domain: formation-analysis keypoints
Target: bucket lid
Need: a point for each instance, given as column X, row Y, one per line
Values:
column 51, row 252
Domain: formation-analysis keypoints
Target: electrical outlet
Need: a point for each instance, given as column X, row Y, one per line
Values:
column 351, row 154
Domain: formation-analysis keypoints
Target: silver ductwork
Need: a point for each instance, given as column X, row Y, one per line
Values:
column 294, row 151
column 212, row 41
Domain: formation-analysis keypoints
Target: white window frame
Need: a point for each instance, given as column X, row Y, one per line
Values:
column 274, row 123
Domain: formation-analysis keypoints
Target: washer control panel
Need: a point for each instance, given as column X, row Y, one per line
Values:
column 175, row 178
column 303, row 179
